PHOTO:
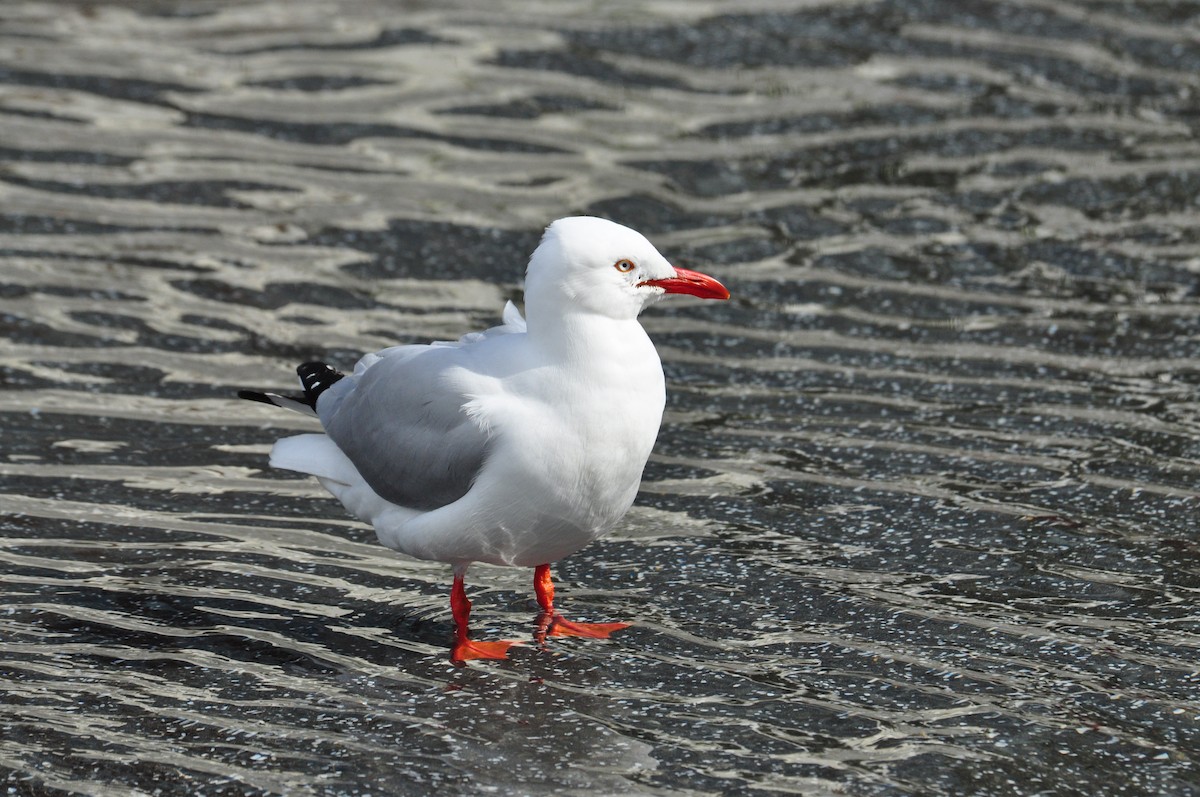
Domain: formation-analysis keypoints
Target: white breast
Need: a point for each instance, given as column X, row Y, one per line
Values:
column 570, row 440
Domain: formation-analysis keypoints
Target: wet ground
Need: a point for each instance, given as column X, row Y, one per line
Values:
column 924, row 515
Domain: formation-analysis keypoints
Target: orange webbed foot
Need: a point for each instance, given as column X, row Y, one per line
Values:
column 470, row 650
column 551, row 623
column 561, row 626
column 465, row 648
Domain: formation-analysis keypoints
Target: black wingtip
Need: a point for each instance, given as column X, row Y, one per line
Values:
column 254, row 395
column 316, row 378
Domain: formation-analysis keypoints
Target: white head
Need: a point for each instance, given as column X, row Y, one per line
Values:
column 591, row 265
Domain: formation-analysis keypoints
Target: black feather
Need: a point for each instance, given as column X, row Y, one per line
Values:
column 294, row 403
column 317, row 378
column 254, row 395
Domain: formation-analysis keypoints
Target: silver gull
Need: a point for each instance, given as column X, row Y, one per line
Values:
column 517, row 445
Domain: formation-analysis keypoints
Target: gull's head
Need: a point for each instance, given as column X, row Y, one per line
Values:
column 593, row 265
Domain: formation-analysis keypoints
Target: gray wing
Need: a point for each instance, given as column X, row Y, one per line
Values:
column 404, row 429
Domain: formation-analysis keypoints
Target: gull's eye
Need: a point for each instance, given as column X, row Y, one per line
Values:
column 623, row 266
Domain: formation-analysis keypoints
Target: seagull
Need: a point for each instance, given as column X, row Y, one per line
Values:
column 517, row 445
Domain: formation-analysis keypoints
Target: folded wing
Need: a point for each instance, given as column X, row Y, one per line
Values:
column 402, row 422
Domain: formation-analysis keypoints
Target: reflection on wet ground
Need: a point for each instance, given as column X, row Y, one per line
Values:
column 923, row 516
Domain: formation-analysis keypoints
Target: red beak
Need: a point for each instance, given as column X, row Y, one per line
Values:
column 691, row 282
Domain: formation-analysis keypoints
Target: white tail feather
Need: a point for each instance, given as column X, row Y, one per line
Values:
column 317, row 455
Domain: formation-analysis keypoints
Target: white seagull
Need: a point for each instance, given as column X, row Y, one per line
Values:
column 517, row 445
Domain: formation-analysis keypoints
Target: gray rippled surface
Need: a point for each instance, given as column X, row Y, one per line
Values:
column 923, row 516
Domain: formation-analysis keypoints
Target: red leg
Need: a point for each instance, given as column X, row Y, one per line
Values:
column 553, row 623
column 464, row 648
column 543, row 586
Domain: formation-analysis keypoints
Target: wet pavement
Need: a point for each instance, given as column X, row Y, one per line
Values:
column 924, row 514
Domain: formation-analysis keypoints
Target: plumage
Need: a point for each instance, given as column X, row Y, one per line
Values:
column 517, row 445
column 299, row 404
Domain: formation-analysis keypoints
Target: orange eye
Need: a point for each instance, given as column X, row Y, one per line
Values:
column 623, row 266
